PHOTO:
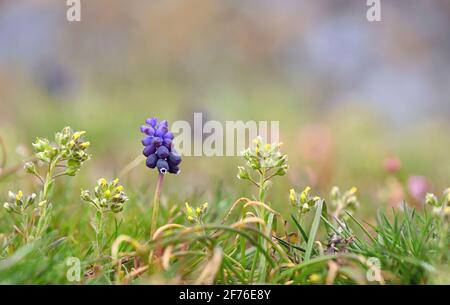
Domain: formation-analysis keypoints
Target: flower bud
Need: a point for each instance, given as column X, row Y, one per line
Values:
column 305, row 208
column 78, row 134
column 151, row 161
column 198, row 211
column 167, row 143
column 162, row 166
column 30, row 200
column 173, row 169
column 162, row 152
column 148, row 130
column 447, row 211
column 335, row 193
column 293, row 197
column 102, row 182
column 282, row 170
column 432, row 200
column 40, row 144
column 243, row 173
column 147, row 141
column 174, row 158
column 11, row 197
column 189, row 210
column 7, row 207
column 85, row 195
column 152, row 121
column 304, row 195
column 85, row 145
column 157, row 141
column 103, row 203
column 29, row 167
column 315, row 200
column 169, row 135
column 161, row 131
column 447, row 195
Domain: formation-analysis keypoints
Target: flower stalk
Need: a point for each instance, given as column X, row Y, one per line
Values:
column 156, row 203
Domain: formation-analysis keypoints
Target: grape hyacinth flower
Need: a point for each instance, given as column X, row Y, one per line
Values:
column 158, row 148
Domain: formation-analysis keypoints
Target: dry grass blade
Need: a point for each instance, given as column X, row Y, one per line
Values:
column 211, row 269
column 167, row 227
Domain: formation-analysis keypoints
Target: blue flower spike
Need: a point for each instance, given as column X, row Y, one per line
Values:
column 158, row 147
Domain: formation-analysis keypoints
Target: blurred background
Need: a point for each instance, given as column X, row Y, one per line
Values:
column 359, row 103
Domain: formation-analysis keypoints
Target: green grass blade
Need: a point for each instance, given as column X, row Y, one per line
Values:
column 300, row 228
column 362, row 227
column 313, row 232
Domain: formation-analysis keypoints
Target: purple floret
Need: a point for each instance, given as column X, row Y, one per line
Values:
column 161, row 131
column 152, row 121
column 148, row 130
column 148, row 150
column 174, row 158
column 147, row 141
column 151, row 161
column 157, row 141
column 162, row 152
column 162, row 166
column 167, row 143
column 174, row 169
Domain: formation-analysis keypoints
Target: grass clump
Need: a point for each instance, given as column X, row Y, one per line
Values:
column 242, row 241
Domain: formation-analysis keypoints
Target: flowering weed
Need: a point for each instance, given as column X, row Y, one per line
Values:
column 246, row 240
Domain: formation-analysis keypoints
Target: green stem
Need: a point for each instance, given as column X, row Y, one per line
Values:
column 262, row 192
column 156, row 202
column 262, row 214
column 99, row 236
column 44, row 216
column 25, row 227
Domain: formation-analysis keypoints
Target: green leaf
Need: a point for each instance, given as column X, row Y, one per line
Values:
column 362, row 227
column 300, row 228
column 325, row 215
column 313, row 232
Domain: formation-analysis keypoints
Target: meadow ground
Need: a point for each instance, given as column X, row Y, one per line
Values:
column 61, row 225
